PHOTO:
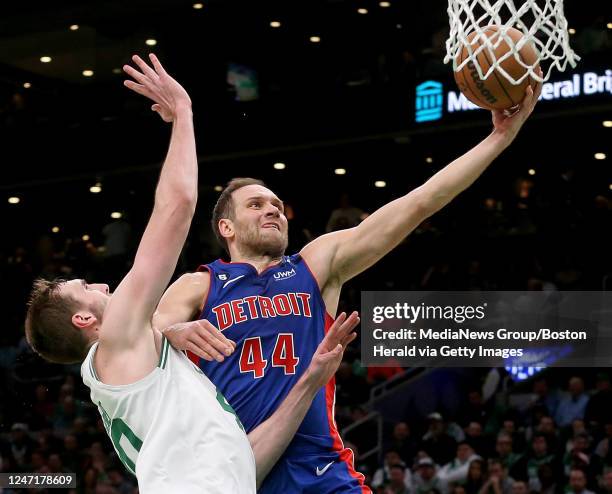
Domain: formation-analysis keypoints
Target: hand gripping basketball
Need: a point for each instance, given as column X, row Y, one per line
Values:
column 507, row 123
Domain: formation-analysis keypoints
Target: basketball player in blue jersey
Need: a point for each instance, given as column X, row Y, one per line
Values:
column 277, row 308
column 168, row 423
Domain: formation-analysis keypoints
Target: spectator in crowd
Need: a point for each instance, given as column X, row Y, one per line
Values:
column 72, row 457
column 544, row 396
column 456, row 470
column 517, row 434
column 604, row 447
column 578, row 482
column 397, row 484
column 438, row 444
column 20, row 446
column 402, row 442
column 425, row 479
column 382, row 476
column 505, row 454
column 527, row 467
column 547, row 480
column 498, row 481
column 475, row 438
column 118, row 480
column 606, row 483
column 519, row 487
column 547, row 427
column 573, row 404
column 475, row 476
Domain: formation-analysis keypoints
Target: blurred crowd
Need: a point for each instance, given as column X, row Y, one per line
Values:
column 542, row 440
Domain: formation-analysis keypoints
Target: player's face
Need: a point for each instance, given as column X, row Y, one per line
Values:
column 93, row 296
column 259, row 221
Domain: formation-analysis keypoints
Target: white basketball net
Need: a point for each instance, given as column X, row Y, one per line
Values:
column 541, row 21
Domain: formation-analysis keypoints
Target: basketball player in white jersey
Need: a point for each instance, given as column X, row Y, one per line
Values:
column 168, row 423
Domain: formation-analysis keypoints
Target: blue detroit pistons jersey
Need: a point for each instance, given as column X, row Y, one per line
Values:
column 277, row 319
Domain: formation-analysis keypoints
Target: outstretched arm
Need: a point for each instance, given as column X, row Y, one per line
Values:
column 270, row 439
column 132, row 305
column 339, row 256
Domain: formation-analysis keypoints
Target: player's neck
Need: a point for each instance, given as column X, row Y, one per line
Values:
column 260, row 263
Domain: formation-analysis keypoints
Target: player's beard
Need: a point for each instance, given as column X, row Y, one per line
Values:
column 255, row 241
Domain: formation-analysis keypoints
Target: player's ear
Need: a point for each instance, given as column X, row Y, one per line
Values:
column 84, row 319
column 226, row 228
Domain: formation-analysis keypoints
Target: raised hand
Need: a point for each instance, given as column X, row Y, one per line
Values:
column 508, row 124
column 168, row 96
column 327, row 358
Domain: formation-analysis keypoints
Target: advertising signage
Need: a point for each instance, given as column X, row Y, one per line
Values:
column 434, row 99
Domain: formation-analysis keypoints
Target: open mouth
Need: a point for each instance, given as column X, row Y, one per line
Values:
column 271, row 225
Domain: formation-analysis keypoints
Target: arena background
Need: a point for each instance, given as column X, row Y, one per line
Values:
column 77, row 149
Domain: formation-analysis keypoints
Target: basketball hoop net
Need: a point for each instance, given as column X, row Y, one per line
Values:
column 542, row 23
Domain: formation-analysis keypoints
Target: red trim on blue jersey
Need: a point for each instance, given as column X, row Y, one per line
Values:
column 345, row 454
column 253, row 267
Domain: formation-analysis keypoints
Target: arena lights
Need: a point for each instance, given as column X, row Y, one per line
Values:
column 607, row 123
column 275, row 24
column 74, row 27
column 55, row 229
column 88, row 73
column 218, row 188
column 384, row 5
column 610, row 186
column 315, row 39
column 380, row 184
column 429, row 159
column 609, row 25
column 45, row 59
column 85, row 238
column 531, row 171
column 14, row 200
column 27, row 85
column 571, row 30
column 340, row 171
column 198, row 6
column 116, row 215
column 151, row 42
column 362, row 11
column 600, row 156
column 116, row 70
column 96, row 188
column 279, row 166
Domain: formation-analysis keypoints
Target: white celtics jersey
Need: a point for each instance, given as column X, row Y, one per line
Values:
column 174, row 430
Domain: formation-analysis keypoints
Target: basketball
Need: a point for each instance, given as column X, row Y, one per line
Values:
column 495, row 92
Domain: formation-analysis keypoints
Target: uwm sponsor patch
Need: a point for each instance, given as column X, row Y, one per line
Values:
column 283, row 275
column 256, row 306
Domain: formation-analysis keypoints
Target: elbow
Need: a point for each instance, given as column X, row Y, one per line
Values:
column 180, row 202
column 187, row 202
column 428, row 203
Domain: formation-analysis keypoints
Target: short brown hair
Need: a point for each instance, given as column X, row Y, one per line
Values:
column 49, row 328
column 225, row 205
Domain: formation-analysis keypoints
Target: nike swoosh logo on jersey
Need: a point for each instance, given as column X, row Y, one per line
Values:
column 232, row 280
column 324, row 469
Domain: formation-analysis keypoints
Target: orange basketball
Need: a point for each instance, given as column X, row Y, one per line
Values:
column 495, row 92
